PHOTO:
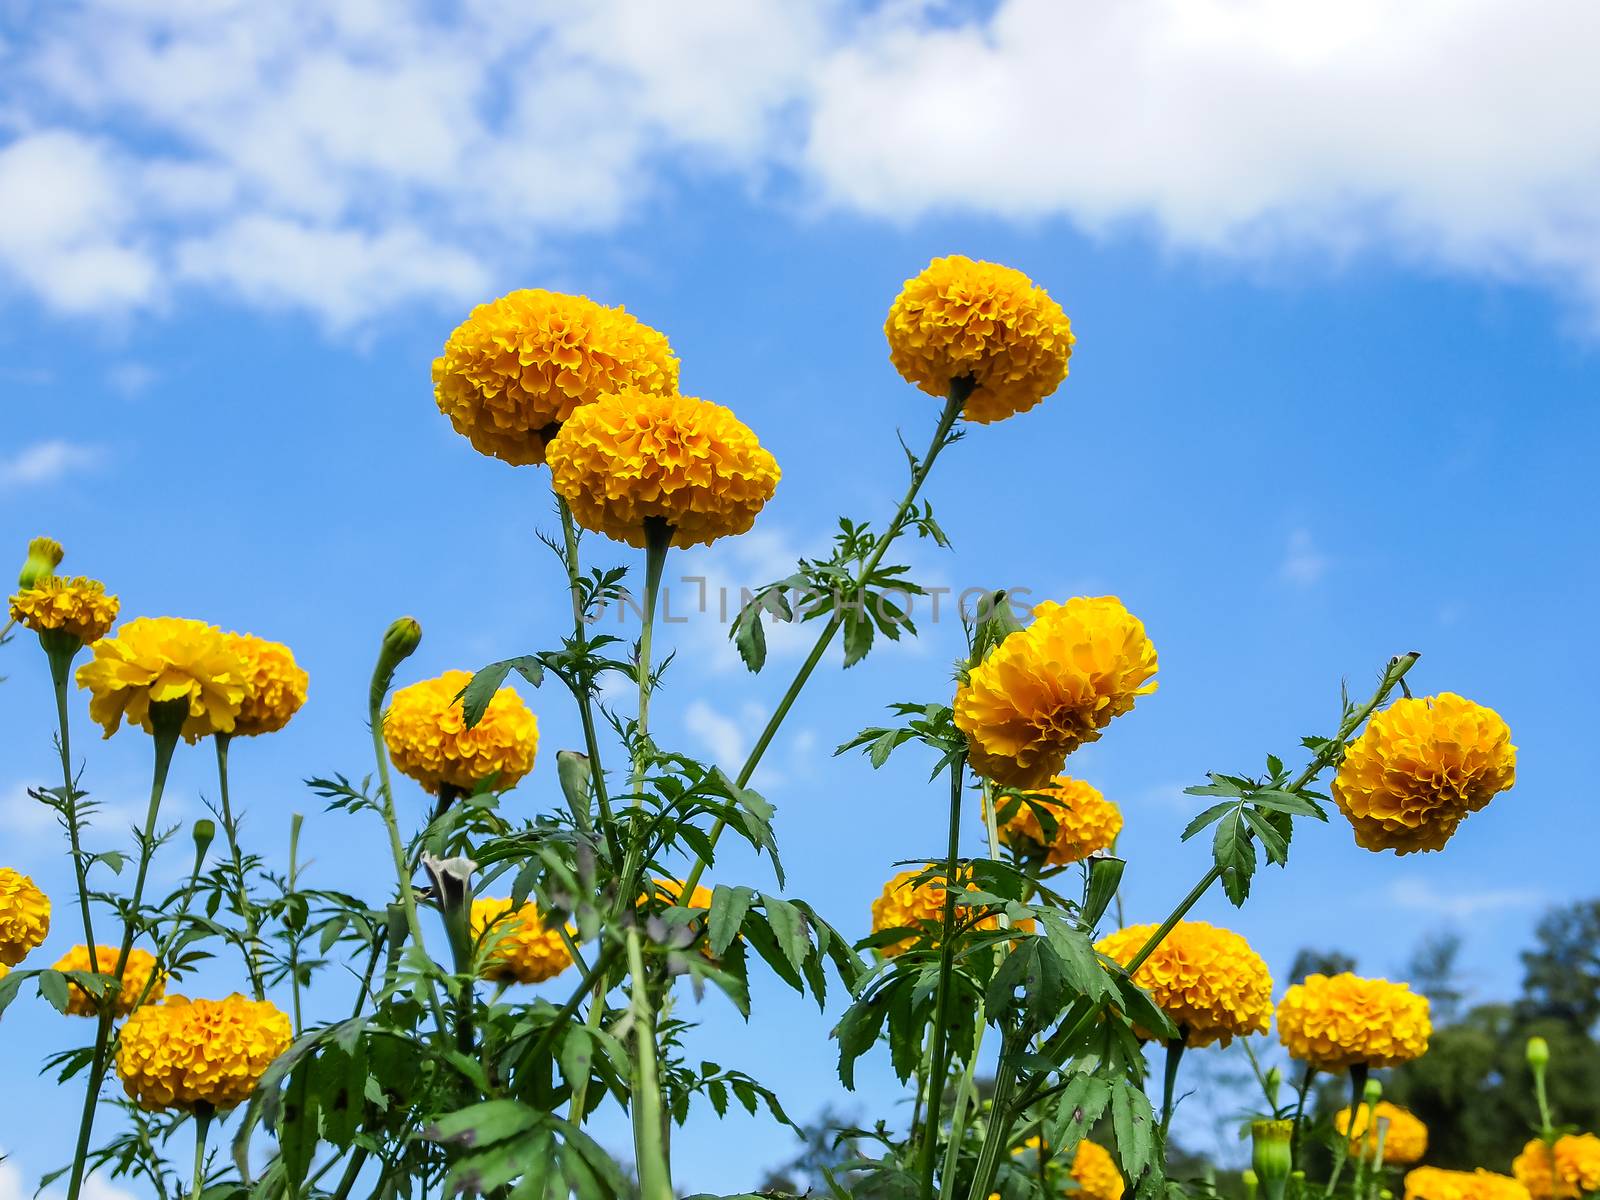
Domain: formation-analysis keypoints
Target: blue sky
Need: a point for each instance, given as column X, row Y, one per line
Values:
column 1334, row 402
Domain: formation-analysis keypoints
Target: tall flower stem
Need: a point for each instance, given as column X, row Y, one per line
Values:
column 1169, row 1081
column 61, row 657
column 1003, row 1111
column 167, row 724
column 938, row 1065
column 960, row 389
column 202, row 1125
column 655, row 1176
column 1300, row 1110
column 658, row 539
column 247, row 912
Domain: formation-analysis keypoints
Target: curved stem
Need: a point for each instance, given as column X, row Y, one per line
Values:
column 166, row 741
column 938, row 1066
column 60, row 672
column 1169, row 1081
column 247, row 912
column 959, row 391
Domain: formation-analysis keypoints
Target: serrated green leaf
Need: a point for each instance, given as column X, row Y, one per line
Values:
column 1235, row 856
column 1206, row 818
column 728, row 908
column 789, row 927
column 1134, row 1124
column 53, row 987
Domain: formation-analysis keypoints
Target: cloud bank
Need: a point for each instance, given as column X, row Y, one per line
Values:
column 349, row 159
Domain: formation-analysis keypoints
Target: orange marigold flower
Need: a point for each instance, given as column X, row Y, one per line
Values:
column 274, row 684
column 979, row 320
column 78, row 606
column 1208, row 980
column 165, row 660
column 1093, row 1169
column 1085, row 822
column 1575, row 1172
column 24, row 916
column 632, row 457
column 140, row 967
column 1405, row 1139
column 520, row 365
column 918, row 908
column 1334, row 1022
column 1434, row 1183
column 1047, row 689
column 428, row 738
column 1419, row 768
column 189, row 1052
column 522, row 949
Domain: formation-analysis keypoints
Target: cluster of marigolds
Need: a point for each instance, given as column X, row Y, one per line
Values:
column 538, row 377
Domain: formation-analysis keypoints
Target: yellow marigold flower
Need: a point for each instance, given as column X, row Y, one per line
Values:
column 520, row 365
column 1208, row 980
column 77, row 606
column 24, row 916
column 1086, row 823
column 964, row 318
column 634, row 456
column 428, row 738
column 1334, row 1022
column 1047, row 689
column 189, row 1052
column 671, row 891
column 1404, row 1142
column 1434, row 1183
column 1576, row 1171
column 523, row 949
column 141, row 965
column 1093, row 1169
column 1419, row 768
column 274, row 684
column 160, row 660
column 918, row 908
column 44, row 556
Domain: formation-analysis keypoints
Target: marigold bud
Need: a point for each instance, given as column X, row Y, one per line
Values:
column 1538, row 1053
column 1271, row 1155
column 1373, row 1092
column 204, row 830
column 44, row 556
column 400, row 642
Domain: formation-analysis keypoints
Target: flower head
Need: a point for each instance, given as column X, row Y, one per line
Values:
column 1333, row 1022
column 189, row 1052
column 24, row 916
column 520, row 365
column 915, row 908
column 165, row 660
column 522, row 949
column 1574, row 1172
column 1419, row 768
column 274, row 685
column 44, row 556
column 428, row 739
column 1209, row 981
column 1047, row 689
column 671, row 892
column 79, row 607
column 1405, row 1140
column 1434, row 1183
column 1093, row 1169
column 140, row 967
column 1085, row 823
column 634, row 456
column 978, row 320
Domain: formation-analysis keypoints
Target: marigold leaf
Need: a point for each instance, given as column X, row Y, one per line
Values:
column 728, row 908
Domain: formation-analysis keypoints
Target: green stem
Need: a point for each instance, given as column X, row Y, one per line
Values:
column 938, row 1065
column 202, row 1124
column 1002, row 1114
column 1341, row 1153
column 1299, row 1113
column 247, row 912
column 1169, row 1080
column 348, row 1179
column 959, row 391
column 963, row 1102
column 166, row 741
column 577, row 1106
column 602, row 964
column 655, row 1175
column 295, row 821
column 60, row 673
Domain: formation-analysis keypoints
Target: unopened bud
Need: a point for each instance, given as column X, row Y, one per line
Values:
column 44, row 556
column 1538, row 1053
column 1373, row 1092
column 400, row 642
column 204, row 830
column 1272, row 1155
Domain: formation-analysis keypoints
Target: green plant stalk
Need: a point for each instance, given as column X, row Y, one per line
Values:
column 938, row 1064
column 166, row 741
column 1358, row 1083
column 655, row 1175
column 602, row 963
column 1547, row 1125
column 963, row 1102
column 397, row 850
column 60, row 673
column 658, row 539
column 202, row 1124
column 1002, row 1114
column 247, row 912
column 295, row 821
column 1169, row 1080
column 577, row 1105
column 1299, row 1114
column 959, row 391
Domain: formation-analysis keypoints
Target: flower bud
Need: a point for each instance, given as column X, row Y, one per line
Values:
column 204, row 830
column 1248, row 1178
column 1373, row 1092
column 400, row 642
column 1538, row 1053
column 1272, row 1155
column 44, row 556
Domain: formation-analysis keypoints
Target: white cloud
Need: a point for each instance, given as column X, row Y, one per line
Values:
column 725, row 738
column 13, row 1186
column 131, row 379
column 345, row 160
column 1421, row 896
column 45, row 462
column 1303, row 564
